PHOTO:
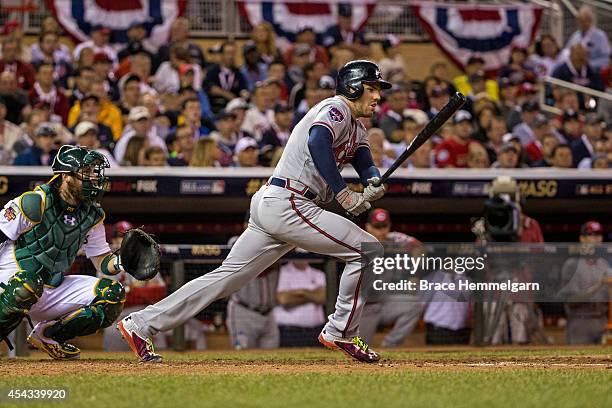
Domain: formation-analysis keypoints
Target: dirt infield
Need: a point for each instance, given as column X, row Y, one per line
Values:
column 282, row 362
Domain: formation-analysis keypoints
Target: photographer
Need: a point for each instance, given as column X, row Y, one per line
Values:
column 504, row 221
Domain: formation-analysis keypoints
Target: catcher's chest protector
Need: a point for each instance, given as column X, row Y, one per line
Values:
column 49, row 248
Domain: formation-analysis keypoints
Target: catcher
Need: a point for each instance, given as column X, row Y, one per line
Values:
column 41, row 232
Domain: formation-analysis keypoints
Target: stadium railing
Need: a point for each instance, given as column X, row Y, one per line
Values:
column 555, row 82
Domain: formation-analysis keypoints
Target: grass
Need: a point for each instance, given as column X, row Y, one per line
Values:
column 451, row 386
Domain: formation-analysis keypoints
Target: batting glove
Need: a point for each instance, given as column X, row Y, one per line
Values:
column 352, row 202
column 371, row 192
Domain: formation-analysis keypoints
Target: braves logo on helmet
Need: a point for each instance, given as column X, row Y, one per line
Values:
column 335, row 115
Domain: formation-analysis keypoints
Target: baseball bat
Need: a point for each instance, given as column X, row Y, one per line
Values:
column 453, row 105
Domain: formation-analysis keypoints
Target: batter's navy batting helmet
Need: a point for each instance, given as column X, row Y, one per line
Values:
column 352, row 76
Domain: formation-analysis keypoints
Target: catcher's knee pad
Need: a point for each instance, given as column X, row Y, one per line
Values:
column 20, row 293
column 101, row 313
column 110, row 296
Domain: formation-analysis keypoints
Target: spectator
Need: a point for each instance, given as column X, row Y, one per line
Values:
column 392, row 65
column 253, row 70
column 592, row 132
column 103, row 68
column 601, row 150
column 179, row 37
column 50, row 52
column 24, row 72
column 239, row 108
column 86, row 134
column 49, row 48
column 413, row 121
column 139, row 65
column 507, row 158
column 16, row 99
column 155, row 156
column 83, row 79
column 264, row 38
column 546, row 56
column 12, row 139
column 571, row 126
column 508, row 90
column 453, row 152
column 592, row 38
column 517, row 66
column 300, row 295
column 206, row 154
column 477, row 156
column 260, row 117
column 576, row 69
column 277, row 73
column 307, row 37
column 313, row 96
column 397, row 101
column 533, row 149
column 137, row 42
column 191, row 115
column 422, row 158
column 474, row 65
column 226, row 137
column 296, row 71
column 43, row 151
column 90, row 111
column 130, row 95
column 377, row 141
column 601, row 162
column 140, row 124
column 342, row 34
column 339, row 58
column 277, row 136
column 188, row 92
column 561, row 157
column 167, row 77
column 182, row 147
column 246, row 153
column 224, row 82
column 313, row 72
column 438, row 97
column 549, row 142
column 484, row 116
column 524, row 130
column 108, row 114
column 45, row 93
column 566, row 100
column 14, row 29
column 134, row 151
column 494, row 133
column 99, row 43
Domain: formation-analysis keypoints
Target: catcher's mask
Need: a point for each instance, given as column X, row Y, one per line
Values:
column 87, row 166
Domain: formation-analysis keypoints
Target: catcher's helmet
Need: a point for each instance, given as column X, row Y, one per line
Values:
column 352, row 76
column 87, row 165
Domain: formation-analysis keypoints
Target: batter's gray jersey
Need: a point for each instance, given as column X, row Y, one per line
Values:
column 348, row 135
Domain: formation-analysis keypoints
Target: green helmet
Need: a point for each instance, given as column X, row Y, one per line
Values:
column 86, row 165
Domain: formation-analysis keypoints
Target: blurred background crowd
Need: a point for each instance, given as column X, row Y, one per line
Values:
column 234, row 104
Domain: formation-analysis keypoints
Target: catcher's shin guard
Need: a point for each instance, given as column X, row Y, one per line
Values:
column 20, row 293
column 101, row 313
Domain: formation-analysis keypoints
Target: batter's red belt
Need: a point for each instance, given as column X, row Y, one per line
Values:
column 286, row 183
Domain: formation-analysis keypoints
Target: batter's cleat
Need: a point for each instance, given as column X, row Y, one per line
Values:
column 141, row 345
column 355, row 348
column 55, row 350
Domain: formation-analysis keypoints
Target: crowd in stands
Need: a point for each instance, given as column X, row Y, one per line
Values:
column 180, row 105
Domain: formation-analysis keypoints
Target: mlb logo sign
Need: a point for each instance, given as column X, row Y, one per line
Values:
column 70, row 220
column 335, row 115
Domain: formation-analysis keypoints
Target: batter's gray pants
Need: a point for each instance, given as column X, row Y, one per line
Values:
column 280, row 220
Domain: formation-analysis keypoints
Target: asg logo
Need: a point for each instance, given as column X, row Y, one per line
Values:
column 70, row 220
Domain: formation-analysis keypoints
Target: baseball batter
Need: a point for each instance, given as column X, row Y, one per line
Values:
column 285, row 214
column 40, row 234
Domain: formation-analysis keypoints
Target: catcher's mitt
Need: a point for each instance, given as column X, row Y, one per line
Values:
column 139, row 254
